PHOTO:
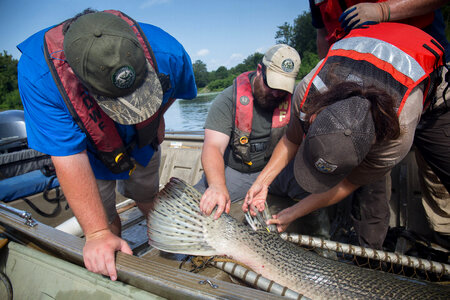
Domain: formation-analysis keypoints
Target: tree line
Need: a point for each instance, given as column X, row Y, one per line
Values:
column 9, row 92
column 300, row 35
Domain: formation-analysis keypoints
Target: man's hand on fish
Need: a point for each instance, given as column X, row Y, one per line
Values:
column 215, row 196
column 255, row 200
column 99, row 250
column 282, row 219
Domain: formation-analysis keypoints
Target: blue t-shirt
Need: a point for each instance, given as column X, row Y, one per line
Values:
column 50, row 126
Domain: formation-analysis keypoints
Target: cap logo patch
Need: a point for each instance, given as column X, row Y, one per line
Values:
column 324, row 166
column 124, row 77
column 244, row 100
column 287, row 65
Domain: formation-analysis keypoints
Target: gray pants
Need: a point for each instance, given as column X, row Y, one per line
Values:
column 239, row 183
column 370, row 213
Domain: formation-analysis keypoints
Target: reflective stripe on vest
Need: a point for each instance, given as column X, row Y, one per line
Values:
column 401, row 61
column 409, row 61
column 99, row 128
column 244, row 101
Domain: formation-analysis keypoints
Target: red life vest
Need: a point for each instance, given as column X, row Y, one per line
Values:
column 99, row 128
column 331, row 10
column 383, row 55
column 243, row 99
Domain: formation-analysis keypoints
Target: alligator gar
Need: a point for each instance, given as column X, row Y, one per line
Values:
column 176, row 225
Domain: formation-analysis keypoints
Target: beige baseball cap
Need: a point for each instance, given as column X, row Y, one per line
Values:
column 282, row 65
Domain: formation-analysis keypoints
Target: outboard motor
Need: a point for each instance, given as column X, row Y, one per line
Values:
column 15, row 156
column 13, row 135
column 24, row 171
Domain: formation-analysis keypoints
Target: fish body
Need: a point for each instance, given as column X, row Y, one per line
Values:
column 176, row 225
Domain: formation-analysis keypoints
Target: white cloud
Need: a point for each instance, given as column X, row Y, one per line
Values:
column 235, row 56
column 234, row 59
column 203, row 52
column 261, row 50
column 149, row 3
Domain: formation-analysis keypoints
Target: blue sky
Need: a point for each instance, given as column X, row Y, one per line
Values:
column 220, row 33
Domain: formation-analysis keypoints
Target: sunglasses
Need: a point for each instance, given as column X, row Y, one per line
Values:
column 263, row 72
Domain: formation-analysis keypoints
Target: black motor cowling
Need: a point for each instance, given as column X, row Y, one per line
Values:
column 13, row 134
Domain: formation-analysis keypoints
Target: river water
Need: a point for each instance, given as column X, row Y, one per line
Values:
column 188, row 115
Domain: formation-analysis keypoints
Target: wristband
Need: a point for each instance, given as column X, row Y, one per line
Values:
column 95, row 233
column 389, row 12
column 385, row 11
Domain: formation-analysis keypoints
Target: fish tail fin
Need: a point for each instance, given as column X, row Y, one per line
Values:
column 176, row 224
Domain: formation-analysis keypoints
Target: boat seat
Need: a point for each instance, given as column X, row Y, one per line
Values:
column 24, row 171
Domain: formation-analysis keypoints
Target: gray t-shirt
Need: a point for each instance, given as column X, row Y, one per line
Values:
column 221, row 118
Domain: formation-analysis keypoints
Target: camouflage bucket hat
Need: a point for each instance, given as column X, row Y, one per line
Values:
column 136, row 107
column 107, row 57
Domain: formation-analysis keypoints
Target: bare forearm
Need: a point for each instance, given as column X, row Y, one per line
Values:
column 402, row 9
column 283, row 153
column 213, row 166
column 330, row 197
column 80, row 189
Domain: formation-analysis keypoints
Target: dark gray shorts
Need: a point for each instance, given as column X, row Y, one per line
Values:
column 142, row 186
column 285, row 184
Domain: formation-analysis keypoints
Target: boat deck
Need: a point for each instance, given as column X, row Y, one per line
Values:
column 150, row 271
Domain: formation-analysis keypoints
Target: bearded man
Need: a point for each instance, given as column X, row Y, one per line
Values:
column 243, row 125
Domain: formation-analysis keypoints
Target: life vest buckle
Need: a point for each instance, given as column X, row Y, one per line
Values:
column 132, row 170
column 243, row 140
column 119, row 157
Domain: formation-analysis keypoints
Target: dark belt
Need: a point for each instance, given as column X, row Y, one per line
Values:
column 258, row 147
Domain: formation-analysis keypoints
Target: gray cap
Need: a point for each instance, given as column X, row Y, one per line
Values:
column 337, row 141
column 106, row 56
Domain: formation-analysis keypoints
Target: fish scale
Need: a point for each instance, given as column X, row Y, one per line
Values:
column 266, row 253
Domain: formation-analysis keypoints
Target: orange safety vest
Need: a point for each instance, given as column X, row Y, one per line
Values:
column 243, row 118
column 393, row 60
column 99, row 128
column 331, row 10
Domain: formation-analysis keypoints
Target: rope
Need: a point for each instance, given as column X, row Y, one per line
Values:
column 389, row 257
column 244, row 273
